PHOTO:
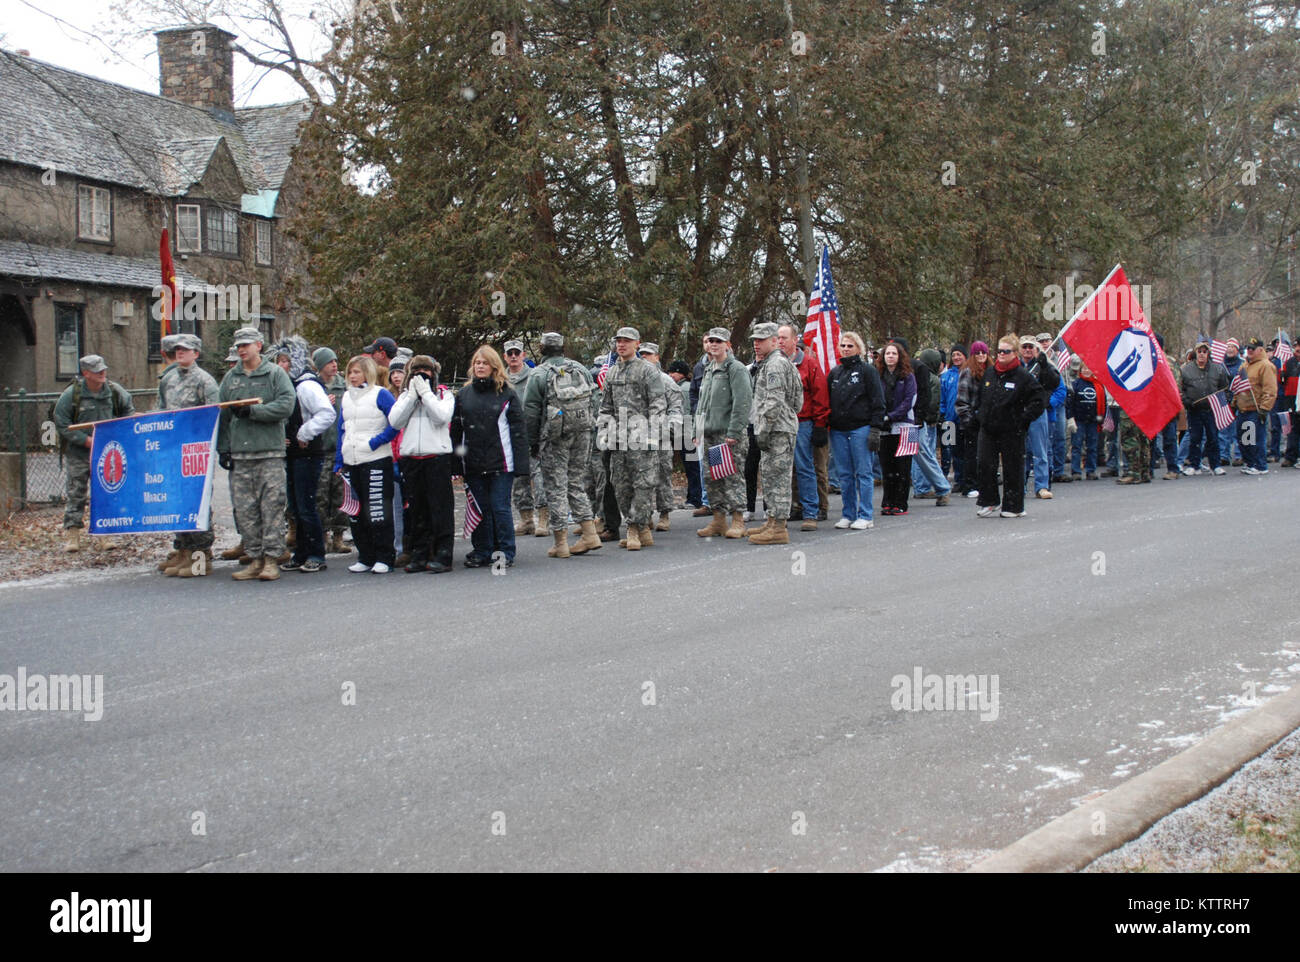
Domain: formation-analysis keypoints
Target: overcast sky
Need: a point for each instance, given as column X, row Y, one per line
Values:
column 71, row 34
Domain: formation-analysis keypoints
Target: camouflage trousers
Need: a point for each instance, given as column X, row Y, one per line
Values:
column 76, row 486
column 775, row 469
column 635, row 475
column 1135, row 445
column 564, row 463
column 329, row 498
column 596, row 479
column 664, row 497
column 257, row 488
column 528, row 493
column 728, row 494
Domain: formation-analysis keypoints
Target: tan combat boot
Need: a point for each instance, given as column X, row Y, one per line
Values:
column 525, row 525
column 809, row 524
column 170, row 561
column 737, row 529
column 233, row 554
column 589, row 541
column 336, row 544
column 188, row 566
column 108, row 544
column 561, row 549
column 291, row 538
column 715, row 527
column 663, row 521
column 270, row 571
column 760, row 529
column 647, row 535
column 250, row 572
column 774, row 533
column 72, row 539
column 543, row 523
column 633, row 540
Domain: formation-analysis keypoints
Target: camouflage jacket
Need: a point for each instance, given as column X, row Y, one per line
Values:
column 186, row 387
column 633, row 403
column 778, row 396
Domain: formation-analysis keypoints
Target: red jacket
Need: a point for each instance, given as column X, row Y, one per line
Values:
column 816, row 395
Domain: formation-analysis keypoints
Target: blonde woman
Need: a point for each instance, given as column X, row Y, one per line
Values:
column 488, row 425
column 365, row 452
column 1010, row 400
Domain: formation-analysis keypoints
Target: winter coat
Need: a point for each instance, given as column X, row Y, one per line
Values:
column 816, row 399
column 1081, row 402
column 725, row 397
column 364, row 431
column 261, row 434
column 423, row 412
column 312, row 420
column 900, row 398
column 491, row 426
column 969, row 390
column 857, row 399
column 948, row 382
column 1010, row 401
column 1263, row 384
column 1199, row 384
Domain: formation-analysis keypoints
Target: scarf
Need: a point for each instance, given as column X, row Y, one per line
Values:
column 1003, row 368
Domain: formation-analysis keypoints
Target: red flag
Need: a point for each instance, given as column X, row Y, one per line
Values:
column 1111, row 335
column 168, row 283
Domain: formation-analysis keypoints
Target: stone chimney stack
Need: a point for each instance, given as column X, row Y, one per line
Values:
column 195, row 66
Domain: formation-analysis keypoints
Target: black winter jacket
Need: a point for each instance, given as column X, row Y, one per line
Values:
column 857, row 398
column 481, row 420
column 1010, row 401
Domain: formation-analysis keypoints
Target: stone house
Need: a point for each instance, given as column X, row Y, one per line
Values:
column 90, row 174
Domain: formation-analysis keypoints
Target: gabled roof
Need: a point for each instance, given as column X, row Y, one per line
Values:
column 76, row 124
column 37, row 262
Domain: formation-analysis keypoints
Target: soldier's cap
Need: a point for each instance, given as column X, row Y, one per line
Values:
column 514, row 346
column 190, row 342
column 247, row 335
column 1076, row 362
column 648, row 347
column 1045, row 336
column 627, row 333
column 552, row 339
column 1253, row 342
column 93, row 363
column 168, row 343
column 322, row 356
column 232, row 354
column 1028, row 340
column 761, row 332
column 385, row 344
column 718, row 334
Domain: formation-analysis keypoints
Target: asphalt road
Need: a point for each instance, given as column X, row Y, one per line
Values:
column 501, row 721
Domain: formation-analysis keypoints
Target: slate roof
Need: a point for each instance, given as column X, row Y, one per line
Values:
column 37, row 262
column 77, row 124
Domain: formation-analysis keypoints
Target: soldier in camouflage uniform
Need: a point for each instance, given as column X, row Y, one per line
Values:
column 528, row 492
column 1137, row 450
column 667, row 433
column 778, row 396
column 723, row 416
column 634, row 399
column 559, row 419
column 91, row 397
column 250, row 445
column 186, row 385
column 329, row 489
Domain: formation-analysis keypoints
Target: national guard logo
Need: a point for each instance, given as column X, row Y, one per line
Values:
column 111, row 467
column 1132, row 359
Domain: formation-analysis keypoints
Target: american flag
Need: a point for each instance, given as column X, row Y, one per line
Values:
column 1223, row 416
column 907, row 443
column 1240, row 384
column 1283, row 352
column 1063, row 361
column 821, row 332
column 1218, row 349
column 604, row 372
column 1108, row 425
column 721, row 463
column 350, row 506
column 1285, row 419
column 472, row 513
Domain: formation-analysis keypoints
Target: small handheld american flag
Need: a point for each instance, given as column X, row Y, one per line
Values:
column 1283, row 352
column 604, row 370
column 472, row 513
column 1063, row 361
column 350, row 506
column 1285, row 418
column 1240, row 384
column 1223, row 416
column 721, row 463
column 907, row 444
column 1108, row 425
column 1218, row 349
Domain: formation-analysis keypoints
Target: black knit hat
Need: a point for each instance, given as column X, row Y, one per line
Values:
column 958, row 348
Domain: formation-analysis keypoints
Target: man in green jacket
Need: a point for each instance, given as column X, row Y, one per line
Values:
column 250, row 445
column 723, row 416
column 91, row 397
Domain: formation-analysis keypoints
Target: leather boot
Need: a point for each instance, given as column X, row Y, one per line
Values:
column 250, row 572
column 561, row 549
column 543, row 523
column 186, row 568
column 750, row 532
column 170, row 561
column 663, row 521
column 737, row 529
column 291, row 538
column 703, row 511
column 647, row 535
column 633, row 540
column 714, row 528
column 589, row 541
column 233, row 554
column 336, row 544
column 72, row 539
column 774, row 533
column 283, row 559
column 270, row 571
column 525, row 525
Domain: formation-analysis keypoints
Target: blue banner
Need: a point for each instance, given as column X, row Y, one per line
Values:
column 153, row 472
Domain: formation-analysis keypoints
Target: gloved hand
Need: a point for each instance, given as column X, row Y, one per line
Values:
column 226, row 461
column 420, row 386
column 241, row 411
column 820, row 437
column 873, row 440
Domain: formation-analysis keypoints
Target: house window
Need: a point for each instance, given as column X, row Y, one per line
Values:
column 188, row 240
column 223, row 231
column 94, row 213
column 263, row 242
column 68, row 333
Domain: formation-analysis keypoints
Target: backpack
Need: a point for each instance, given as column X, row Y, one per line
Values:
column 568, row 398
column 119, row 407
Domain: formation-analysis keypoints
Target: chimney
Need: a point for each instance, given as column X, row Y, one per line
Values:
column 195, row 67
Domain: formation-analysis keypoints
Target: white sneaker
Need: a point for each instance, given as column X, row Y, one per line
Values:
column 862, row 524
column 1012, row 514
column 747, row 516
column 1219, row 472
column 986, row 512
column 972, row 494
column 380, row 568
column 1188, row 470
column 358, row 568
column 843, row 523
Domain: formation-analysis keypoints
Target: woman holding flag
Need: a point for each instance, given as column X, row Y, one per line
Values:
column 899, row 443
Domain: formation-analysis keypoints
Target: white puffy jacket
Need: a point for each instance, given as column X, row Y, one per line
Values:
column 362, row 420
column 424, row 415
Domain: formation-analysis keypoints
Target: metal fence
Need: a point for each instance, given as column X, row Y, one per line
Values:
column 27, row 430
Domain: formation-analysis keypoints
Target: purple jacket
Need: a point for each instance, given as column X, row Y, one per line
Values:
column 900, row 396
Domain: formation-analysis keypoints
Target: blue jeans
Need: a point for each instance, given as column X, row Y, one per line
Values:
column 1165, row 445
column 1058, row 441
column 304, row 476
column 854, row 462
column 496, row 532
column 806, row 471
column 1274, row 433
column 703, row 475
column 1252, row 455
column 1037, row 447
column 1084, row 450
column 1201, row 431
column 926, row 473
column 1227, row 441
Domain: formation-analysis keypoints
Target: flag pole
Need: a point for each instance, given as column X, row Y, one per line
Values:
column 1084, row 306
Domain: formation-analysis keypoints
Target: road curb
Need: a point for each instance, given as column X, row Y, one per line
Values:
column 1069, row 843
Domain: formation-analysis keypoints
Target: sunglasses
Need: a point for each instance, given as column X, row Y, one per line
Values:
column 1004, row 350
column 513, row 353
